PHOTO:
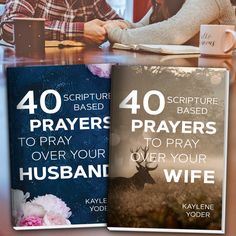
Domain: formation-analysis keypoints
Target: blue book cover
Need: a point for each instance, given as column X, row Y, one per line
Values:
column 58, row 128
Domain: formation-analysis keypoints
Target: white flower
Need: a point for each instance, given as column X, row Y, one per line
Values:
column 18, row 199
column 100, row 70
column 32, row 209
column 51, row 203
column 52, row 218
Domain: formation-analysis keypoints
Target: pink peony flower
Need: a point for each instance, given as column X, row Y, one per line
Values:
column 51, row 203
column 31, row 221
column 101, row 70
column 31, row 209
column 52, row 218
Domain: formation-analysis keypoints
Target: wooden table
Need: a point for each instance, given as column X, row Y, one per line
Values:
column 80, row 55
column 55, row 56
column 76, row 55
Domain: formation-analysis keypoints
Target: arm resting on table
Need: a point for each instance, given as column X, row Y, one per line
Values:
column 176, row 30
column 54, row 30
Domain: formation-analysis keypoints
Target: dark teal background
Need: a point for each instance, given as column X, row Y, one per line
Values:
column 66, row 80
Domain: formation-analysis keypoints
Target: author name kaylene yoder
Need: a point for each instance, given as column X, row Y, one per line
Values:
column 198, row 210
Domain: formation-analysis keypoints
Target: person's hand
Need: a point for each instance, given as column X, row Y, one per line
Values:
column 94, row 31
column 109, row 25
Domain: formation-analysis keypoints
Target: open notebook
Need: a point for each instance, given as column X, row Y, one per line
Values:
column 161, row 49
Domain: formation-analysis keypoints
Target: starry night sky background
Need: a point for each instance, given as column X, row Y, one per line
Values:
column 66, row 80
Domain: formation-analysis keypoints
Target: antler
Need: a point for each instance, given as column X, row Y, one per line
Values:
column 131, row 150
column 150, row 168
column 145, row 151
column 135, row 156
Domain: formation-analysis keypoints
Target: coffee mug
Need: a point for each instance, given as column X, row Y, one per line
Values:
column 217, row 40
column 28, row 36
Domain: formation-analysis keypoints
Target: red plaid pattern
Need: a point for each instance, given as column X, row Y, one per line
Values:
column 64, row 18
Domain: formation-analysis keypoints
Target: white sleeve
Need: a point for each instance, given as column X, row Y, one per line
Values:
column 176, row 30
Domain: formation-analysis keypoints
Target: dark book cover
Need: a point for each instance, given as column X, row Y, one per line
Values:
column 168, row 149
column 59, row 124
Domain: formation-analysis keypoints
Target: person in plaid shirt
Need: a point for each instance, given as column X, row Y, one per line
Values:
column 65, row 19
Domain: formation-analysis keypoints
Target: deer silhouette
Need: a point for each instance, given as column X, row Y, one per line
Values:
column 140, row 178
